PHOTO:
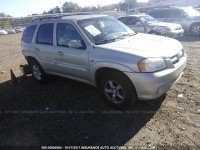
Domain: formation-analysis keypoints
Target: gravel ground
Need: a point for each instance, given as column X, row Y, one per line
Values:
column 65, row 112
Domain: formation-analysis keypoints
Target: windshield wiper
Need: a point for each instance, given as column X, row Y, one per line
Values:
column 114, row 39
column 106, row 41
column 126, row 34
column 129, row 34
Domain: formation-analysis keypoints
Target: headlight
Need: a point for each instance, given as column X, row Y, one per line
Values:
column 161, row 29
column 152, row 64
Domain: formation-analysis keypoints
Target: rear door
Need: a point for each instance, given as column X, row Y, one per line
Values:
column 71, row 61
column 44, row 47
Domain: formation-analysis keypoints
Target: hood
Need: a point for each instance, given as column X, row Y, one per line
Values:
column 164, row 24
column 146, row 45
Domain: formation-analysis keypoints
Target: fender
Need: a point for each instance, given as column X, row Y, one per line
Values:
column 106, row 64
column 30, row 54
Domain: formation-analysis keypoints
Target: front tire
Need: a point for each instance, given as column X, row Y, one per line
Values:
column 118, row 90
column 195, row 29
column 37, row 72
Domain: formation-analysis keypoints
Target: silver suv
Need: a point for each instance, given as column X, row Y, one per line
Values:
column 148, row 24
column 102, row 51
column 188, row 17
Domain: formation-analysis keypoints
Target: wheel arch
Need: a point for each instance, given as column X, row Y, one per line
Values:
column 101, row 71
column 31, row 56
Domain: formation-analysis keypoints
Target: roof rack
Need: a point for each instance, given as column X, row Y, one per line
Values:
column 56, row 16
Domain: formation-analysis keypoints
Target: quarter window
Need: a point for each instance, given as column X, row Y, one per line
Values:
column 66, row 33
column 45, row 34
column 28, row 34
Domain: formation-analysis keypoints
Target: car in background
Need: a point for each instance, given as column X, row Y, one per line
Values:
column 147, row 24
column 101, row 51
column 10, row 31
column 3, row 32
column 19, row 29
column 187, row 17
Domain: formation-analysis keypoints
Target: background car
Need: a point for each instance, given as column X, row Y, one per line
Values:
column 19, row 29
column 3, row 32
column 10, row 31
column 187, row 17
column 147, row 24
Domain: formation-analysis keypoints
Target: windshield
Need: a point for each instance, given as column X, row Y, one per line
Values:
column 147, row 19
column 191, row 12
column 104, row 30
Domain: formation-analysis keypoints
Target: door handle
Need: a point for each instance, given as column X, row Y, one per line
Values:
column 60, row 53
column 37, row 50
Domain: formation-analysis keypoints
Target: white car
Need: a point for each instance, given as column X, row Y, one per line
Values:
column 148, row 24
column 18, row 29
column 3, row 32
column 10, row 31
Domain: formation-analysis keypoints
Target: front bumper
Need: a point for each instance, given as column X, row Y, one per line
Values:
column 174, row 33
column 153, row 85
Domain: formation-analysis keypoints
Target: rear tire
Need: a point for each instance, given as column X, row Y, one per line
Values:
column 118, row 90
column 37, row 72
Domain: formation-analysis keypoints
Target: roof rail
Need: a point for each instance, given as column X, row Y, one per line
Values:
column 56, row 16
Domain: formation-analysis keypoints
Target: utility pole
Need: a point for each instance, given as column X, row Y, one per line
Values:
column 127, row 9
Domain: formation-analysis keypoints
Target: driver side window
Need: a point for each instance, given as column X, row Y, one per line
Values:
column 132, row 20
column 66, row 33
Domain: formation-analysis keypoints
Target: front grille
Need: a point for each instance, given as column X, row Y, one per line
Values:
column 176, row 58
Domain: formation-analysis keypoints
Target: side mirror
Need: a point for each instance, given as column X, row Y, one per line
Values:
column 75, row 44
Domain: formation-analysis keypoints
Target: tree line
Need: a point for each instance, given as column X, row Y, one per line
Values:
column 69, row 7
column 5, row 22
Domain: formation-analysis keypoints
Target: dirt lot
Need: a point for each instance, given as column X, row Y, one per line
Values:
column 65, row 112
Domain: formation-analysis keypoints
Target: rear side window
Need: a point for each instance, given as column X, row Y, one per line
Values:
column 28, row 34
column 160, row 14
column 123, row 20
column 175, row 13
column 45, row 34
column 154, row 14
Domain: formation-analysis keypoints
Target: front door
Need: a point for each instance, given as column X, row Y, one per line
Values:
column 71, row 61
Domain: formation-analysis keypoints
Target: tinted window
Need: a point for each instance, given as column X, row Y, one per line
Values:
column 154, row 14
column 159, row 14
column 129, row 20
column 132, row 20
column 66, row 33
column 175, row 13
column 45, row 34
column 123, row 20
column 28, row 34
